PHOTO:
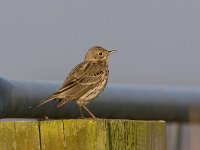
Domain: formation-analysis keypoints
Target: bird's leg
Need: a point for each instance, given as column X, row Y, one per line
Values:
column 91, row 114
column 81, row 112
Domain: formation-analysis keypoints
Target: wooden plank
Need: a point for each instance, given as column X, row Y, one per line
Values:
column 27, row 135
column 151, row 135
column 115, row 135
column 87, row 134
column 122, row 134
column 84, row 134
column 7, row 136
column 52, row 136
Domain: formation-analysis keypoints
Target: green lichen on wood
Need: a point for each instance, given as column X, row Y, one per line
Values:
column 51, row 135
column 19, row 135
column 27, row 135
column 84, row 134
column 7, row 135
column 115, row 135
column 122, row 135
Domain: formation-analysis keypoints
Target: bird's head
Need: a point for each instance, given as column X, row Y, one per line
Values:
column 98, row 53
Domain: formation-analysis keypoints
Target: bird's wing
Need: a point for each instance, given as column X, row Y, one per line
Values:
column 78, row 83
column 82, row 78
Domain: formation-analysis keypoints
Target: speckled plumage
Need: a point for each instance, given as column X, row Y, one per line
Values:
column 86, row 81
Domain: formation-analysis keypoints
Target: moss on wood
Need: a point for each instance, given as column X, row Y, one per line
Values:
column 84, row 134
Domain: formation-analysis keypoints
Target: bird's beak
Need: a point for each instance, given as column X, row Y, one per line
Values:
column 112, row 51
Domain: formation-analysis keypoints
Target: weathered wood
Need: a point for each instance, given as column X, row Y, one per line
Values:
column 19, row 135
column 84, row 134
column 52, row 136
column 7, row 135
column 27, row 135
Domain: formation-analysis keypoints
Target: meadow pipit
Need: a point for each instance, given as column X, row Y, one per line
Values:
column 85, row 82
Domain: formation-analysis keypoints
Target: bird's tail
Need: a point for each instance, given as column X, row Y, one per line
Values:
column 46, row 100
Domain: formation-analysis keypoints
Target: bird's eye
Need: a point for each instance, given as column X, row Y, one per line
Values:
column 100, row 53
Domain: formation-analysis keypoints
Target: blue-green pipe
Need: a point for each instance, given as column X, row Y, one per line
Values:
column 117, row 101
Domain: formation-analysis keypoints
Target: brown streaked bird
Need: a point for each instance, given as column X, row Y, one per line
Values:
column 85, row 82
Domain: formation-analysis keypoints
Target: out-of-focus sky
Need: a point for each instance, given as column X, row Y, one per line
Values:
column 158, row 41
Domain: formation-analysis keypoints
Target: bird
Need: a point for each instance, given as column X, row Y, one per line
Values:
column 85, row 82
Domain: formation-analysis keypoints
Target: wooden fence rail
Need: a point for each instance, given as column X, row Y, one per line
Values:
column 83, row 134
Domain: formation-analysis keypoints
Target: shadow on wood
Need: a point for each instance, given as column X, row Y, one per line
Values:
column 84, row 134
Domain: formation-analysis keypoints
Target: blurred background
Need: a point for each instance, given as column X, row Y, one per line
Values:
column 157, row 43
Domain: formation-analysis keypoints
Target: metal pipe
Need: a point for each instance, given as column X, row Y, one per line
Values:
column 117, row 101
